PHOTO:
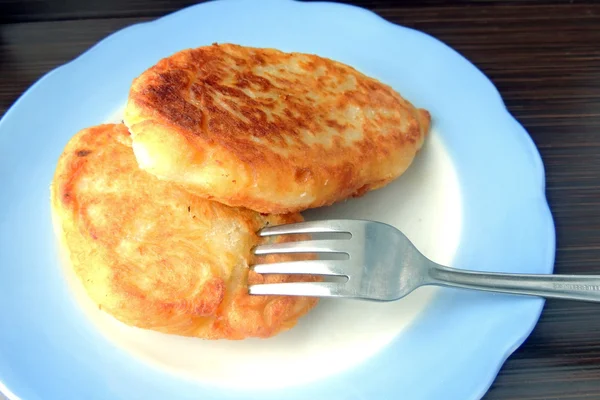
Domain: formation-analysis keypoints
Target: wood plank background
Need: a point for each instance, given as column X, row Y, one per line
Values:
column 544, row 57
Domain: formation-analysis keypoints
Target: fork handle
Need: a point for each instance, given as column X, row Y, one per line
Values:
column 566, row 287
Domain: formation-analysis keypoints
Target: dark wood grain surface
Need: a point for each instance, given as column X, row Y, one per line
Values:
column 544, row 57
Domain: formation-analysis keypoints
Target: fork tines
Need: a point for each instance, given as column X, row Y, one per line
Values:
column 308, row 267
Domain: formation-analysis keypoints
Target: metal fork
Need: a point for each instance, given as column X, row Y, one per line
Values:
column 383, row 265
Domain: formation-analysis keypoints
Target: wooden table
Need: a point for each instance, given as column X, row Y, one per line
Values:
column 543, row 56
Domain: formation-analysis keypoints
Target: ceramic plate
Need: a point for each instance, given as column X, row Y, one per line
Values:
column 474, row 199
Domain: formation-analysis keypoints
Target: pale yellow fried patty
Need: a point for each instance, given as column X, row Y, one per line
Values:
column 271, row 131
column 155, row 256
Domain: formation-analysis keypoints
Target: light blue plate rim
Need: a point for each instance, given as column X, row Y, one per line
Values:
column 453, row 350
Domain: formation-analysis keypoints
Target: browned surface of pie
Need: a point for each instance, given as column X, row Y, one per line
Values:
column 155, row 256
column 271, row 131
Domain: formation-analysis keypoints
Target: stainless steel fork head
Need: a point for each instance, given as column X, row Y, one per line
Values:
column 382, row 264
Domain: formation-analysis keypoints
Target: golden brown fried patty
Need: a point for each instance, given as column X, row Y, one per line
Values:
column 271, row 131
column 155, row 256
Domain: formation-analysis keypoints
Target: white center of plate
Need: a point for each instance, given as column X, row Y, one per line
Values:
column 424, row 203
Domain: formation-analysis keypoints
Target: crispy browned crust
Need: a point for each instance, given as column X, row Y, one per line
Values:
column 157, row 257
column 272, row 131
